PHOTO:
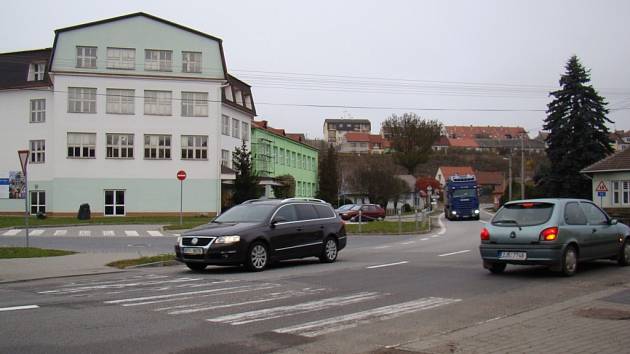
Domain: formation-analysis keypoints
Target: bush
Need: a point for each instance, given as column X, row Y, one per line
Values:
column 407, row 208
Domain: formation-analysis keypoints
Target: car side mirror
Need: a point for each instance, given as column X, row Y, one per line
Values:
column 613, row 221
column 277, row 220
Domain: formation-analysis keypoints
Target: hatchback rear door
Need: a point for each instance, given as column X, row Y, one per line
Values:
column 602, row 237
column 520, row 223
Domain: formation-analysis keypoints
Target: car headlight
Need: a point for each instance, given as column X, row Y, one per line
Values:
column 228, row 239
column 454, row 212
column 476, row 211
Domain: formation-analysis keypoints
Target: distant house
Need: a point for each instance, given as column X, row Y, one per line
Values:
column 463, row 143
column 412, row 197
column 484, row 132
column 491, row 185
column 363, row 143
column 336, row 129
column 620, row 139
column 501, row 145
column 445, row 172
column 611, row 180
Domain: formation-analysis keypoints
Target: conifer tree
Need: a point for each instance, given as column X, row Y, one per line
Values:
column 246, row 183
column 578, row 135
column 328, row 176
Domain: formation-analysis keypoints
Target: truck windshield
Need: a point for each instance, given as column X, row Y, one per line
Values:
column 464, row 193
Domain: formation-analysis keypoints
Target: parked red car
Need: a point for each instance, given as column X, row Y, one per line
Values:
column 368, row 212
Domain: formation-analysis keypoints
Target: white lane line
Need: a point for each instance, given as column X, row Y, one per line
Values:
column 434, row 236
column 118, row 286
column 166, row 296
column 177, row 235
column 14, row 308
column 12, row 232
column 291, row 310
column 386, row 265
column 269, row 297
column 424, row 239
column 131, row 233
column 452, row 253
column 408, row 243
column 36, row 232
column 154, row 233
column 85, row 232
column 334, row 324
column 60, row 232
column 109, row 233
column 247, row 288
column 483, row 222
column 380, row 247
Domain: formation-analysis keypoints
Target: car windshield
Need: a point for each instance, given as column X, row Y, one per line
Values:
column 345, row 207
column 523, row 214
column 246, row 213
column 464, row 193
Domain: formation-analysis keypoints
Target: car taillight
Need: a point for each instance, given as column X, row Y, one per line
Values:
column 485, row 234
column 549, row 234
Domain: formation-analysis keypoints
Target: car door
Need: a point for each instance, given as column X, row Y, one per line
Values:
column 311, row 236
column 576, row 227
column 603, row 236
column 285, row 234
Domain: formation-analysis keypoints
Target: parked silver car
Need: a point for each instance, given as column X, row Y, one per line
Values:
column 558, row 233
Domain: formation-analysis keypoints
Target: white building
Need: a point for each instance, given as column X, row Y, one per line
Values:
column 113, row 110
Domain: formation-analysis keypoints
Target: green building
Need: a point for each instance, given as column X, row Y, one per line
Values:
column 276, row 153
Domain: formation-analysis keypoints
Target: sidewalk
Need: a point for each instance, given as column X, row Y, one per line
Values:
column 20, row 269
column 595, row 323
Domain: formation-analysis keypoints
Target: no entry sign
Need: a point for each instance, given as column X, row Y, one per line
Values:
column 181, row 175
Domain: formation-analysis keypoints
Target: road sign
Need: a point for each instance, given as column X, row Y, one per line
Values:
column 601, row 194
column 181, row 175
column 601, row 187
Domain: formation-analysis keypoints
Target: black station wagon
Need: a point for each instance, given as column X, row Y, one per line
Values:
column 260, row 231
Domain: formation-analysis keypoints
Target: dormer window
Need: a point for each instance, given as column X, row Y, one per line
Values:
column 227, row 91
column 238, row 97
column 36, row 71
column 248, row 101
column 86, row 57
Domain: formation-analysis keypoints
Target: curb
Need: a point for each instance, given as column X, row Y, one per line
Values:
column 155, row 264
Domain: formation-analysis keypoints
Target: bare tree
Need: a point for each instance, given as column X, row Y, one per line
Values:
column 374, row 176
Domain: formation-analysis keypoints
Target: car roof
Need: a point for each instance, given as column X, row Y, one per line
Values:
column 549, row 200
column 274, row 201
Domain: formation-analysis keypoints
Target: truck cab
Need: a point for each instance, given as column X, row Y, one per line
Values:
column 461, row 198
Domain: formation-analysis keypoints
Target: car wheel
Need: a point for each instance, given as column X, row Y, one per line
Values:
column 257, row 257
column 330, row 251
column 569, row 261
column 624, row 254
column 496, row 268
column 197, row 267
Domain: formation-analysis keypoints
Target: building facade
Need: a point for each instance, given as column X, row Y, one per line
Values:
column 275, row 153
column 119, row 111
column 336, row 129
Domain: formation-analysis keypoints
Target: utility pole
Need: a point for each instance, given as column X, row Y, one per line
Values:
column 522, row 166
column 509, row 158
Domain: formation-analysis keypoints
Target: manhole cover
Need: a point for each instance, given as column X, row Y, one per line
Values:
column 604, row 314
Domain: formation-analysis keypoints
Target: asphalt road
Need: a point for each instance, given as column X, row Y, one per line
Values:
column 382, row 291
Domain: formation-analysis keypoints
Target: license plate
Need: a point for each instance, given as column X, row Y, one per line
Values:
column 514, row 256
column 192, row 250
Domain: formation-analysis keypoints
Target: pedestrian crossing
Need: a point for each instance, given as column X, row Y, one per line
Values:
column 85, row 233
column 284, row 308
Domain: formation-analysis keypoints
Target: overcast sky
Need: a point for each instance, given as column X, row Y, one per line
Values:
column 444, row 60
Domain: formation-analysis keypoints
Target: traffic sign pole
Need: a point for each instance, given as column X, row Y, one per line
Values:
column 181, row 176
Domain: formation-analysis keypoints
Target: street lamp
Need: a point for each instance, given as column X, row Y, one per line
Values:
column 509, row 176
column 23, row 155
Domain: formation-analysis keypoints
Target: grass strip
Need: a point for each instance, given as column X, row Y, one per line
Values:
column 31, row 252
column 122, row 264
column 387, row 228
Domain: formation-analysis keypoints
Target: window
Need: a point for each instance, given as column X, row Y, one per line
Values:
column 120, row 101
column 225, row 158
column 191, row 62
column 81, row 100
column 248, row 101
column 157, row 147
column 225, row 125
column 38, row 202
column 194, row 147
column 38, row 151
column 238, row 97
column 235, row 128
column 227, row 92
column 157, row 103
column 626, row 192
column 82, row 145
column 86, row 57
column 38, row 110
column 119, row 146
column 281, row 162
column 294, row 159
column 245, row 131
column 115, row 203
column 306, row 212
column 573, row 214
column 194, row 104
column 287, row 212
column 594, row 215
column 275, row 154
column 525, row 214
column 121, row 58
column 36, row 72
column 158, row 60
column 615, row 192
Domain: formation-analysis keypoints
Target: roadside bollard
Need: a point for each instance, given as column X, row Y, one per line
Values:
column 399, row 221
column 416, row 219
column 360, row 220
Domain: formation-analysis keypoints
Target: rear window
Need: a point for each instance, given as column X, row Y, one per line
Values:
column 523, row 214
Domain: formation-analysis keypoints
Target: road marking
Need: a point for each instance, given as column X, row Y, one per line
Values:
column 85, row 232
column 334, row 324
column 36, row 232
column 120, row 285
column 386, row 265
column 381, row 247
column 408, row 243
column 109, row 233
column 154, row 233
column 291, row 310
column 14, row 308
column 452, row 253
column 166, row 296
column 434, row 236
column 267, row 298
column 483, row 222
column 60, row 232
column 177, row 235
column 424, row 239
column 131, row 233
column 12, row 232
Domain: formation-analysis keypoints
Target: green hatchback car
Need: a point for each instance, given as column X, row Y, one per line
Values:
column 558, row 233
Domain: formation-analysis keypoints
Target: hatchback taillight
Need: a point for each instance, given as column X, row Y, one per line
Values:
column 549, row 234
column 485, row 234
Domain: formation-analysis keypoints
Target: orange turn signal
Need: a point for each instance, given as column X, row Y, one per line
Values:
column 549, row 234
